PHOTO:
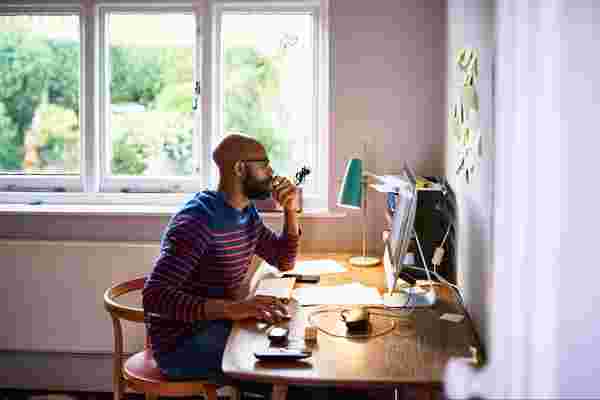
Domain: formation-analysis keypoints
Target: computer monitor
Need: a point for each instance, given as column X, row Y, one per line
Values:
column 396, row 246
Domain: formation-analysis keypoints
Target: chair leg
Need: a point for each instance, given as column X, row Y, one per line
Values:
column 279, row 391
column 229, row 391
column 117, row 386
column 211, row 391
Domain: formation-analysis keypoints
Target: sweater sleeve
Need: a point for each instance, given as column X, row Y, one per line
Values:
column 279, row 250
column 184, row 241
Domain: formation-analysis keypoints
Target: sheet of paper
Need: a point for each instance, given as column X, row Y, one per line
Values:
column 384, row 188
column 452, row 317
column 350, row 294
column 317, row 267
column 394, row 180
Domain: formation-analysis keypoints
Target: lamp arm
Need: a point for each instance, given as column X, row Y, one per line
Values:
column 371, row 176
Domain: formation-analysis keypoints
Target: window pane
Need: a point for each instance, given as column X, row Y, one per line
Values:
column 39, row 94
column 268, row 83
column 151, row 90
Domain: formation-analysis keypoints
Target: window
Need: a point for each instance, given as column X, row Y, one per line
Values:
column 40, row 140
column 266, row 63
column 148, row 127
column 159, row 96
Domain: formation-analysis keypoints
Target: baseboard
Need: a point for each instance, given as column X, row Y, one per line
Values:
column 56, row 371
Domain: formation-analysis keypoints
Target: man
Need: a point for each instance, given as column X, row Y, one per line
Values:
column 196, row 288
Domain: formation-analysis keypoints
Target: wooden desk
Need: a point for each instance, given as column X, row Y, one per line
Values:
column 416, row 355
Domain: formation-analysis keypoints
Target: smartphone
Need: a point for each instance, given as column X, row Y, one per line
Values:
column 303, row 278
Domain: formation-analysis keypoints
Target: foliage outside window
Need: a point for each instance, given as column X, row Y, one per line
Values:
column 150, row 129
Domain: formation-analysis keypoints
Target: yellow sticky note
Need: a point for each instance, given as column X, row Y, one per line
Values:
column 469, row 98
column 468, row 55
column 466, row 136
column 468, row 81
column 453, row 128
column 460, row 57
column 474, row 67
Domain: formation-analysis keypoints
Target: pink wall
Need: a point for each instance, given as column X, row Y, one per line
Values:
column 389, row 81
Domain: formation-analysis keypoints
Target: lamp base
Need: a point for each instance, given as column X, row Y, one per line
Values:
column 363, row 261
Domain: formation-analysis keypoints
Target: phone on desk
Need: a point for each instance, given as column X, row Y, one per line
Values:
column 302, row 278
column 282, row 354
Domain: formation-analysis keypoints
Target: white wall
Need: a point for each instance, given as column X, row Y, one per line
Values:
column 577, row 294
column 471, row 24
column 545, row 300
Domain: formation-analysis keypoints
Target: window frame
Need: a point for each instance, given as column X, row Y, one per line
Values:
column 109, row 183
column 319, row 11
column 94, row 185
column 20, row 182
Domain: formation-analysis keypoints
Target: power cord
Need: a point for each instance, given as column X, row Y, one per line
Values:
column 436, row 260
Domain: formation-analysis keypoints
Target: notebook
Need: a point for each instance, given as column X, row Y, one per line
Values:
column 276, row 287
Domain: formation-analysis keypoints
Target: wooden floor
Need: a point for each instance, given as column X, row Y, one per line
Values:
column 295, row 393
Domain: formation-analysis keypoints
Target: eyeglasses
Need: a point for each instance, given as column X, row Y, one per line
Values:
column 265, row 161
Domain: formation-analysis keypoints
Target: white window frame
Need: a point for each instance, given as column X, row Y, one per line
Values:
column 319, row 10
column 52, row 182
column 94, row 185
column 112, row 183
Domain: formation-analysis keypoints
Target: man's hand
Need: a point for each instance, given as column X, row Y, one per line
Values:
column 265, row 308
column 285, row 192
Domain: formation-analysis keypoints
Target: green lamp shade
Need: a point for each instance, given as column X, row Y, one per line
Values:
column 350, row 194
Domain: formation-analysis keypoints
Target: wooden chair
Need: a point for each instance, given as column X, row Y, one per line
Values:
column 140, row 372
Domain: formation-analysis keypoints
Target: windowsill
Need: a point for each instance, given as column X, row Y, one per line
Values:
column 135, row 210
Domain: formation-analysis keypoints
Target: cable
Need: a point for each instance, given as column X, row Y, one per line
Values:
column 404, row 306
column 446, row 235
column 438, row 254
column 336, row 310
column 422, row 256
column 438, row 276
column 444, row 281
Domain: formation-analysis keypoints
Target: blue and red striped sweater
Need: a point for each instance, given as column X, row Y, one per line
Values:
column 205, row 252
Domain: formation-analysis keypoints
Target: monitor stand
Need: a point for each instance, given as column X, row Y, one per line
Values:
column 414, row 296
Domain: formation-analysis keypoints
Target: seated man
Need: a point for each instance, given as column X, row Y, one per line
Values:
column 195, row 290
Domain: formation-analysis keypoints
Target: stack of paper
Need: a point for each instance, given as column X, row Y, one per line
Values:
column 350, row 294
column 317, row 267
column 308, row 267
column 396, row 183
column 279, row 287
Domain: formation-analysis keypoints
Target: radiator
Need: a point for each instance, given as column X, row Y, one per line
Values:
column 51, row 294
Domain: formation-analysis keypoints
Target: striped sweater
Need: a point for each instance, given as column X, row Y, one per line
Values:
column 205, row 252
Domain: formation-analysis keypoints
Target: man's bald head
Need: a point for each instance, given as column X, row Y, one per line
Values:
column 236, row 147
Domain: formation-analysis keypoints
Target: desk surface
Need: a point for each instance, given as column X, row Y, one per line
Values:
column 413, row 354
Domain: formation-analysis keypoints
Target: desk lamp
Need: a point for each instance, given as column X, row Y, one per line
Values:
column 352, row 195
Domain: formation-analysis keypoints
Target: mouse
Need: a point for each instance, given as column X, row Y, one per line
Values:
column 278, row 335
column 356, row 319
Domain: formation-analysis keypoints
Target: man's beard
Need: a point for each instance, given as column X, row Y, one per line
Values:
column 255, row 189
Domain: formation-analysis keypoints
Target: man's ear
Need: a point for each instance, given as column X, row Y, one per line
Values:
column 239, row 168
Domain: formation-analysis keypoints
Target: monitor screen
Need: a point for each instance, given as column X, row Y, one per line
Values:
column 403, row 220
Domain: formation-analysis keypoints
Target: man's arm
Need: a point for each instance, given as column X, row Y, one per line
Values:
column 281, row 250
column 184, row 243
